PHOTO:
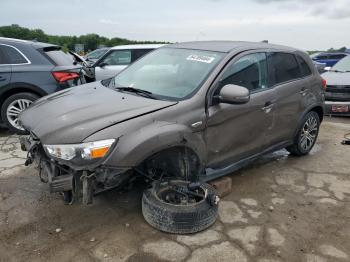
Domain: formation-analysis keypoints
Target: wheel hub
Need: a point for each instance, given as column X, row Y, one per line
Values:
column 309, row 133
column 181, row 194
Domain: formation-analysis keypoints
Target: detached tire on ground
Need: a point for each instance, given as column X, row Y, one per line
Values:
column 179, row 218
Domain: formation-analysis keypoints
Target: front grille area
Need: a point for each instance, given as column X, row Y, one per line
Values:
column 338, row 89
column 338, row 92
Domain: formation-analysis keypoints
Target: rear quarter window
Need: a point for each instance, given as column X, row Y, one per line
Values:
column 59, row 57
column 305, row 69
column 138, row 53
column 283, row 67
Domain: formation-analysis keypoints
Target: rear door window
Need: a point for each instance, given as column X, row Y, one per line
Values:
column 59, row 57
column 305, row 69
column 283, row 67
column 11, row 55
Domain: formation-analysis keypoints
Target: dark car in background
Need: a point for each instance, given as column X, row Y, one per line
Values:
column 338, row 88
column 29, row 70
column 330, row 59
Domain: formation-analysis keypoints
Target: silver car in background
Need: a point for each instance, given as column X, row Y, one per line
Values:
column 338, row 88
column 116, row 59
column 93, row 56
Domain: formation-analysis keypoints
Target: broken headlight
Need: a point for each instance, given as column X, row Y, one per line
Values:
column 85, row 151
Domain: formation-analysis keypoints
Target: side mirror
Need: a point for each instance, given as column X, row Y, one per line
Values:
column 234, row 94
column 327, row 68
column 103, row 64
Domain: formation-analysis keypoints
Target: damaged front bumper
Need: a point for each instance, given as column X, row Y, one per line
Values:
column 75, row 183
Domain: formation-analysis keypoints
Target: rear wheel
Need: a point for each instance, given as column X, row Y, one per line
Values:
column 13, row 106
column 306, row 136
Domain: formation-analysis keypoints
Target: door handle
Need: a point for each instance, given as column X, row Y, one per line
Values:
column 267, row 107
column 303, row 91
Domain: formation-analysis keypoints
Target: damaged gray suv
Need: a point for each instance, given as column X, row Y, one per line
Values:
column 192, row 111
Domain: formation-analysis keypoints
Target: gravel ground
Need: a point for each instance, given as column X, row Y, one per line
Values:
column 281, row 208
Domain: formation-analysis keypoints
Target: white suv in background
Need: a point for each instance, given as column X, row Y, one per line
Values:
column 116, row 59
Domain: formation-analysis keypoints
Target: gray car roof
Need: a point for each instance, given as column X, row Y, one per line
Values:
column 228, row 46
column 138, row 46
column 15, row 41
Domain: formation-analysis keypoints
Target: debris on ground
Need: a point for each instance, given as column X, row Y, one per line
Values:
column 29, row 218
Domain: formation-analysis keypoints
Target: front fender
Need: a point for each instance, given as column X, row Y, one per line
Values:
column 133, row 148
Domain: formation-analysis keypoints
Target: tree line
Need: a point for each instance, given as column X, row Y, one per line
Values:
column 90, row 41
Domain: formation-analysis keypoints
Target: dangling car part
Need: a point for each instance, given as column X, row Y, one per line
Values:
column 180, row 207
column 74, row 183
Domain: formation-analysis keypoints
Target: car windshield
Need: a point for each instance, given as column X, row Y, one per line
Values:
column 96, row 54
column 170, row 73
column 343, row 65
column 315, row 55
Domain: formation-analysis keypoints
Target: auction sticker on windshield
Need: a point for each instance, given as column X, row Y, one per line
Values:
column 201, row 58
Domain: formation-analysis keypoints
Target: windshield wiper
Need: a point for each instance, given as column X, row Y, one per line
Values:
column 137, row 91
column 337, row 71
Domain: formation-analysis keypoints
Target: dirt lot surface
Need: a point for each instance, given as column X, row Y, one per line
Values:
column 281, row 209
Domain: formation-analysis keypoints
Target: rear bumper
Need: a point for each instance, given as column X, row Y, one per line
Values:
column 330, row 104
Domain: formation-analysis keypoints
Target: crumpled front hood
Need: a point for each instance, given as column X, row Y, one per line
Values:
column 72, row 115
column 337, row 79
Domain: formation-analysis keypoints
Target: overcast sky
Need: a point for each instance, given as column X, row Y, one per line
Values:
column 306, row 24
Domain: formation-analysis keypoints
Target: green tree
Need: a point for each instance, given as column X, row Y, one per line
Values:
column 90, row 41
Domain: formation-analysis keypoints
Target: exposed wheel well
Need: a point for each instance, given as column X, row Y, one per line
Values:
column 179, row 161
column 319, row 111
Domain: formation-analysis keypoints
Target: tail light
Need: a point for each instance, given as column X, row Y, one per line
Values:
column 324, row 84
column 64, row 76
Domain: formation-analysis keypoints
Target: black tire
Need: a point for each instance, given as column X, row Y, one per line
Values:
column 26, row 96
column 299, row 148
column 179, row 219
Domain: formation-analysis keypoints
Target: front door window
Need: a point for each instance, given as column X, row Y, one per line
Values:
column 250, row 71
column 118, row 57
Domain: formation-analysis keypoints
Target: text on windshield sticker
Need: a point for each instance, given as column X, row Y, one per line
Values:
column 201, row 58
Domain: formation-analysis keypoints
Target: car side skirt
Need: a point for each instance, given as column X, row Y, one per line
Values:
column 211, row 174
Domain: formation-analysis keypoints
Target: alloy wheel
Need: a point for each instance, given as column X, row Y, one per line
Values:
column 308, row 133
column 14, row 109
